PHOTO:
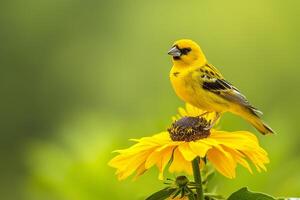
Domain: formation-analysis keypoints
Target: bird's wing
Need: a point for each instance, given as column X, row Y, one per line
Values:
column 213, row 81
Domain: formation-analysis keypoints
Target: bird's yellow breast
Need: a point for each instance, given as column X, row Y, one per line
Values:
column 181, row 83
column 188, row 87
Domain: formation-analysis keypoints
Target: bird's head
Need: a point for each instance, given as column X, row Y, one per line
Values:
column 186, row 52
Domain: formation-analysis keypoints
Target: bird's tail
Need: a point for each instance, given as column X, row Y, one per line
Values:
column 251, row 115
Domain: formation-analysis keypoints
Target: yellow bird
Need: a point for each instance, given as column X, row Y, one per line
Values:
column 199, row 83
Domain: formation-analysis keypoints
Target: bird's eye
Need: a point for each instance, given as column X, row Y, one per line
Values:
column 185, row 51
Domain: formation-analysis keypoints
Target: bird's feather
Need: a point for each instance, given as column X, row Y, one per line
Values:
column 213, row 81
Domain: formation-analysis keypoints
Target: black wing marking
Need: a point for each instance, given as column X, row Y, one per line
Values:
column 227, row 91
column 216, row 85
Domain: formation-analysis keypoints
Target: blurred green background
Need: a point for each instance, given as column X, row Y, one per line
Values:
column 79, row 78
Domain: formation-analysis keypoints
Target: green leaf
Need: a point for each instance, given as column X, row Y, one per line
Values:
column 191, row 197
column 162, row 194
column 214, row 196
column 245, row 194
column 210, row 176
column 178, row 190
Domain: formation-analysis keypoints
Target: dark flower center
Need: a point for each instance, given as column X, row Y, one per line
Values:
column 189, row 129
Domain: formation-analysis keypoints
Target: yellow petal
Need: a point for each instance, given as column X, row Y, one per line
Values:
column 152, row 159
column 163, row 136
column 223, row 163
column 186, row 151
column 182, row 112
column 193, row 111
column 179, row 164
column 174, row 118
column 238, row 157
column 240, row 140
column 170, row 144
column 139, row 171
column 199, row 148
column 256, row 160
column 166, row 156
column 215, row 144
column 132, row 165
column 118, row 161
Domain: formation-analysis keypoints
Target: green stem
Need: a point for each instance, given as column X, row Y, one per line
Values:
column 197, row 178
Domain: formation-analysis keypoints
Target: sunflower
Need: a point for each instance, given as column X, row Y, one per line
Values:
column 186, row 140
